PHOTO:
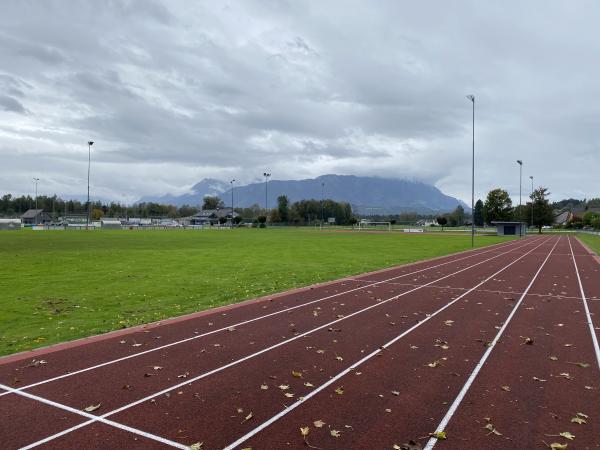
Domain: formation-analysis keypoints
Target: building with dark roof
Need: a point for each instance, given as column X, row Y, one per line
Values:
column 35, row 217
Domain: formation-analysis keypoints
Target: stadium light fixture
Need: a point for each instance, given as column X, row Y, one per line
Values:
column 520, row 163
column 322, row 201
column 266, row 175
column 90, row 143
column 472, row 99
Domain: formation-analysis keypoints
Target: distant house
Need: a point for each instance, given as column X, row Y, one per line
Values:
column 427, row 223
column 563, row 218
column 111, row 224
column 210, row 216
column 35, row 217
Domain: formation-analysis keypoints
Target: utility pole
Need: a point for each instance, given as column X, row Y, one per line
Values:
column 266, row 175
column 520, row 204
column 231, row 182
column 35, row 180
column 531, row 200
column 322, row 201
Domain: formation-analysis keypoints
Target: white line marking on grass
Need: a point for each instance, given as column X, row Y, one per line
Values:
column 587, row 310
column 361, row 361
column 253, row 355
column 96, row 418
column 457, row 401
column 238, row 324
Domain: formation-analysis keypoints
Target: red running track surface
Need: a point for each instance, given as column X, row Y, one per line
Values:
column 459, row 344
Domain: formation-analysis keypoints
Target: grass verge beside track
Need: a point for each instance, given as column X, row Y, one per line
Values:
column 591, row 240
column 62, row 285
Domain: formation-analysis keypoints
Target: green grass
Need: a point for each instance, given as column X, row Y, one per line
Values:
column 591, row 240
column 61, row 285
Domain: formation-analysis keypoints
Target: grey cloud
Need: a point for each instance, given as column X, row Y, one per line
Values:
column 11, row 104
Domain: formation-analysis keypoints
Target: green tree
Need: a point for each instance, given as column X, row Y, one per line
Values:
column 497, row 206
column 97, row 214
column 543, row 214
column 478, row 214
column 441, row 220
column 212, row 202
column 282, row 208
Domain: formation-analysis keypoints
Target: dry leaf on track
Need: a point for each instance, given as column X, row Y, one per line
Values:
column 339, row 390
column 335, row 433
column 318, row 423
column 92, row 407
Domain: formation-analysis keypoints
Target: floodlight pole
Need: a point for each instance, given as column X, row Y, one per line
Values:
column 90, row 143
column 531, row 176
column 266, row 175
column 35, row 180
column 322, row 201
column 520, row 204
column 472, row 99
column 231, row 182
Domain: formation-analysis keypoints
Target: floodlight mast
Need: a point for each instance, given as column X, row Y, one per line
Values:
column 90, row 143
column 531, row 176
column 35, row 180
column 266, row 175
column 472, row 99
column 231, row 182
column 520, row 163
column 322, row 201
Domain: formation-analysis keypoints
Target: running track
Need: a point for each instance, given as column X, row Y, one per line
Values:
column 502, row 338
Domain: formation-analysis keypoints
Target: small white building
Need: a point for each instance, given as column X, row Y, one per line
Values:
column 111, row 224
column 508, row 228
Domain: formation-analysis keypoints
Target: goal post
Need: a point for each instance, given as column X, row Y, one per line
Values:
column 369, row 225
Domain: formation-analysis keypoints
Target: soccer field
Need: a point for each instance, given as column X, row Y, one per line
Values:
column 62, row 285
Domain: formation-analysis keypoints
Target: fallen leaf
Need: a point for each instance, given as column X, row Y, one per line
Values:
column 566, row 375
column 289, row 395
column 307, row 384
column 335, row 433
column 567, row 435
column 411, row 445
column 318, row 423
column 527, row 340
column 437, row 362
column 339, row 358
column 539, row 379
column 491, row 429
column 339, row 390
column 183, row 375
column 157, row 368
column 92, row 407
column 304, row 431
column 578, row 420
column 439, row 435
column 296, row 374
column 248, row 417
column 580, row 364
column 196, row 446
column 553, row 358
column 558, row 446
column 505, row 388
column 264, row 387
column 448, row 322
column 396, row 392
column 585, row 416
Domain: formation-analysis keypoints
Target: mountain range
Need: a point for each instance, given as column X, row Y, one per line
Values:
column 367, row 195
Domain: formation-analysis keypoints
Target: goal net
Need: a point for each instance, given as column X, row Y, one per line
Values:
column 374, row 226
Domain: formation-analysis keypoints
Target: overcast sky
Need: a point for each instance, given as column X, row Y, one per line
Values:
column 173, row 92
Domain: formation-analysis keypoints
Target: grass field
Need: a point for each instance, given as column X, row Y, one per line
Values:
column 61, row 285
column 591, row 240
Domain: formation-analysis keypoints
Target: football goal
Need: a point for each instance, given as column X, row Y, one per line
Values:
column 368, row 225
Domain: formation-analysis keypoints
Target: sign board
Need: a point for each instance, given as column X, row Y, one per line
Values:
column 331, row 220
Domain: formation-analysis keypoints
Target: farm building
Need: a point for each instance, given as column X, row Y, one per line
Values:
column 209, row 216
column 510, row 228
column 35, row 217
column 10, row 224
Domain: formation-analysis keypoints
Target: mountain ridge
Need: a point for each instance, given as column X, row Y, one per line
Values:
column 367, row 195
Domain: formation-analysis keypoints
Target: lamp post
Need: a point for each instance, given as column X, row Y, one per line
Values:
column 322, row 201
column 472, row 99
column 531, row 176
column 90, row 143
column 520, row 205
column 35, row 180
column 231, row 182
column 266, row 175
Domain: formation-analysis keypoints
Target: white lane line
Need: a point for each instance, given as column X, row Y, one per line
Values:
column 587, row 310
column 96, row 418
column 253, row 355
column 361, row 361
column 457, row 401
column 135, row 355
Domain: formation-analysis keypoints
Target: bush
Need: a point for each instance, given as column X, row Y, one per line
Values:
column 262, row 225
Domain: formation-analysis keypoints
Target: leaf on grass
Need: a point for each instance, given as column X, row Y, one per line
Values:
column 335, row 433
column 296, row 374
column 567, row 435
column 441, row 435
column 318, row 423
column 339, row 390
column 196, row 446
column 92, row 407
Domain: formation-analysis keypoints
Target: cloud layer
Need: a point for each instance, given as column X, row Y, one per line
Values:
column 176, row 91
